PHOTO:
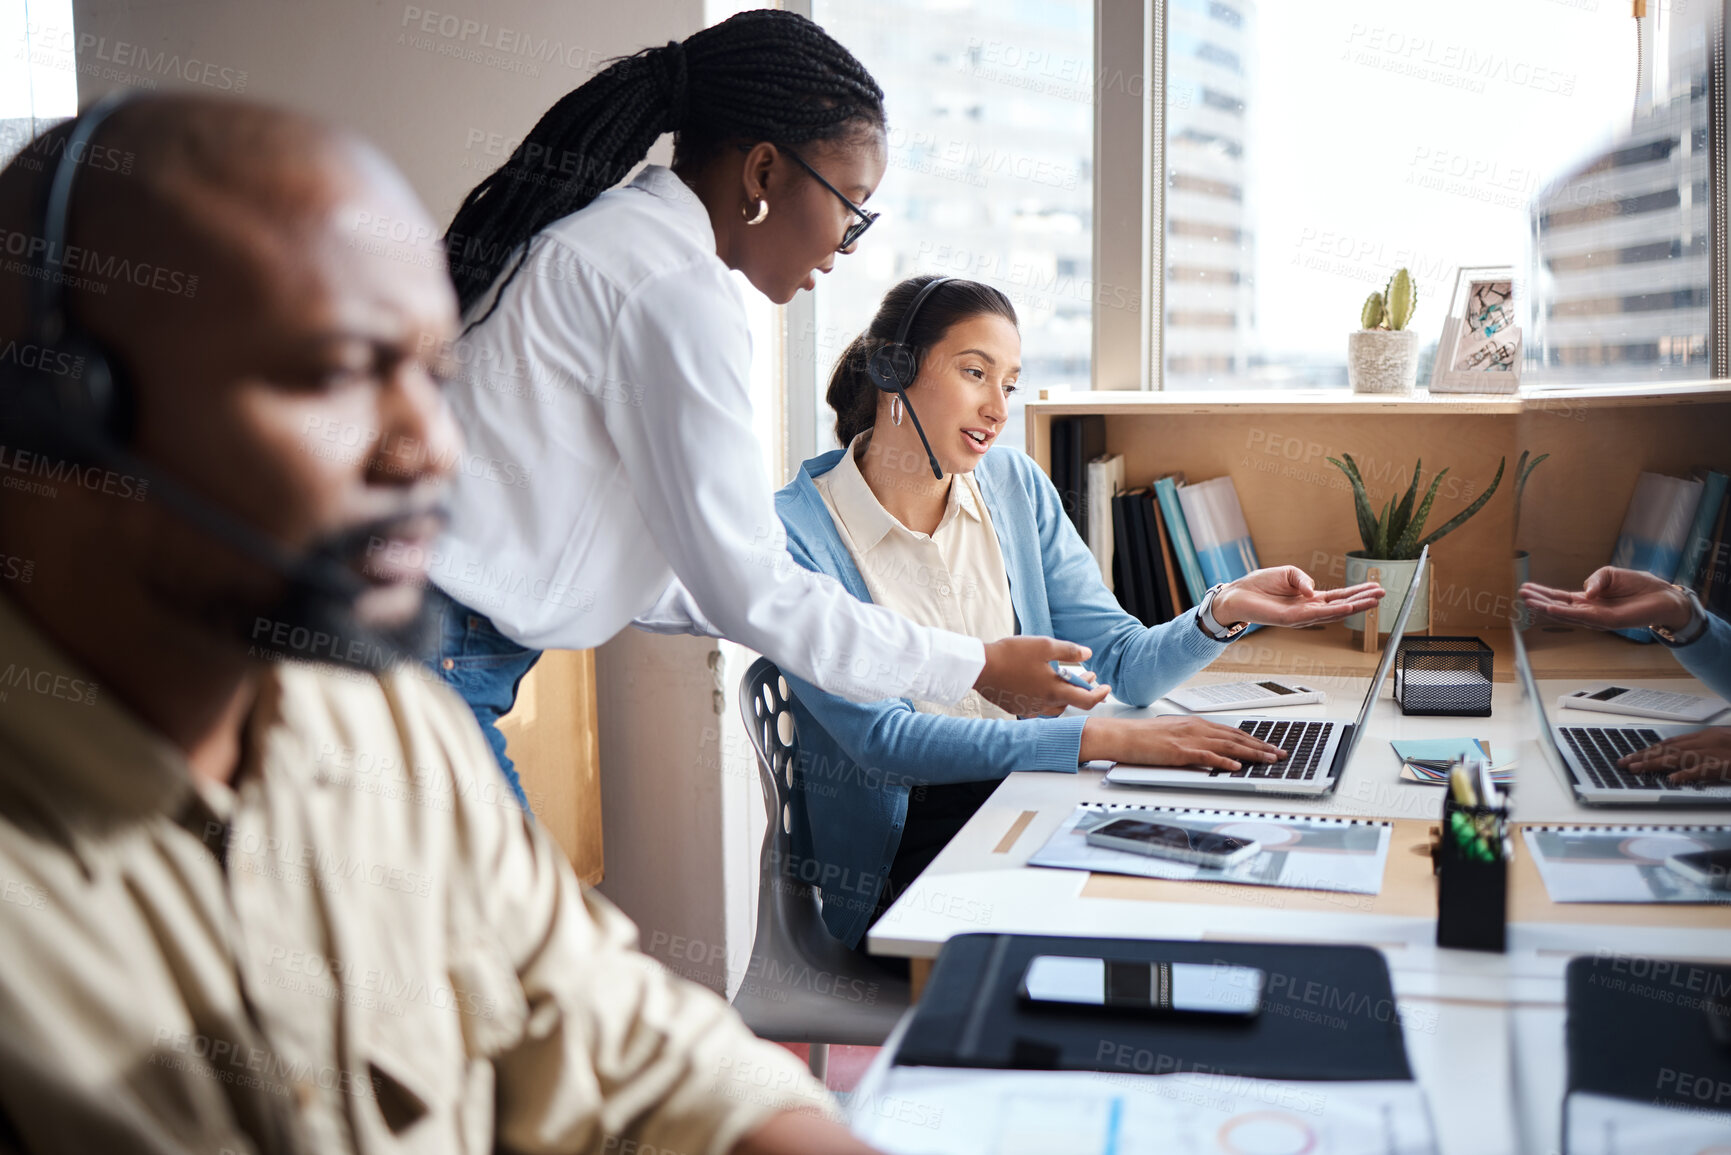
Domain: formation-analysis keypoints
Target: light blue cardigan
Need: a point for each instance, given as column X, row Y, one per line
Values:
column 1709, row 656
column 857, row 762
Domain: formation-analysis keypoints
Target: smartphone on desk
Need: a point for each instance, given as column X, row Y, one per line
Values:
column 1154, row 987
column 1708, row 868
column 1177, row 843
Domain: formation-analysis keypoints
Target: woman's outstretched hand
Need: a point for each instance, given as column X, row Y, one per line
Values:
column 1285, row 595
column 1612, row 599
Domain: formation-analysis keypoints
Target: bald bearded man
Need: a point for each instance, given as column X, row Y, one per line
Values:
column 258, row 905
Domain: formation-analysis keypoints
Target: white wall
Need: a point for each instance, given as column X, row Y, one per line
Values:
column 446, row 88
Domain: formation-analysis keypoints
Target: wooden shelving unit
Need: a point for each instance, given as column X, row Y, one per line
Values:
column 1275, row 446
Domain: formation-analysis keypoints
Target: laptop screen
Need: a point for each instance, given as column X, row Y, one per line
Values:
column 1394, row 637
column 1530, row 689
column 1388, row 650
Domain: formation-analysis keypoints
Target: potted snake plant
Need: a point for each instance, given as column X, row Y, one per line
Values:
column 1523, row 560
column 1393, row 539
column 1382, row 357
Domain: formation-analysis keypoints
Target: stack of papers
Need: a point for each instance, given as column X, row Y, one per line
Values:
column 1427, row 760
column 1622, row 863
column 1303, row 852
column 930, row 1110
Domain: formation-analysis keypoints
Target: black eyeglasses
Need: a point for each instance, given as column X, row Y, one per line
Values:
column 854, row 231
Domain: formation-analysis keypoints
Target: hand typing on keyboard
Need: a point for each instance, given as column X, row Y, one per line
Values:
column 1704, row 757
column 1173, row 741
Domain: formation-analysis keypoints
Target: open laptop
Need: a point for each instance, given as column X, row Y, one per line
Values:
column 1317, row 749
column 1588, row 756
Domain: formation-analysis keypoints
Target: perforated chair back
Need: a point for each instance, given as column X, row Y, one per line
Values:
column 803, row 985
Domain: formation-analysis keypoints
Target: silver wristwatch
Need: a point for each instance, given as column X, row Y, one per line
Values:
column 1692, row 629
column 1206, row 622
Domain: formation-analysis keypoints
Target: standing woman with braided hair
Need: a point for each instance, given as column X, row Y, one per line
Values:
column 611, row 475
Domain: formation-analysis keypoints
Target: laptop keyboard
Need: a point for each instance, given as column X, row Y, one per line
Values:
column 1302, row 741
column 1597, row 749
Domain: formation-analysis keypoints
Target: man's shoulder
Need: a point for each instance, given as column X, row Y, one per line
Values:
column 400, row 734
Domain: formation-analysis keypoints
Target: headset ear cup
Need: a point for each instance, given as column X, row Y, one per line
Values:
column 880, row 367
column 101, row 396
column 892, row 368
column 73, row 403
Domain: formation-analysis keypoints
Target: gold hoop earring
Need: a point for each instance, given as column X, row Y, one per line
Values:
column 895, row 410
column 762, row 212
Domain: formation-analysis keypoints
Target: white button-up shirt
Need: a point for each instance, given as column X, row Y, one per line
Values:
column 610, row 450
column 952, row 579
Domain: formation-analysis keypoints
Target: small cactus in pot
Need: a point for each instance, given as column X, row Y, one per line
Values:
column 1382, row 357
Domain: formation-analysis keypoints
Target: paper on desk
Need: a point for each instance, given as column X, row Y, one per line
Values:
column 1622, row 863
column 1603, row 1125
column 926, row 1110
column 1440, row 750
column 1304, row 852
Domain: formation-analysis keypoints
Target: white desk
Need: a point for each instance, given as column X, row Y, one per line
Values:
column 1480, row 1026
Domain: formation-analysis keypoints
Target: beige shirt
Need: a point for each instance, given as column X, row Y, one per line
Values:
column 364, row 946
column 953, row 579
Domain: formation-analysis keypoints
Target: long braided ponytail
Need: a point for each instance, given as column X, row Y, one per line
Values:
column 763, row 75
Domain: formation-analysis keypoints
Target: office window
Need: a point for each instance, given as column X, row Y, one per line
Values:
column 1311, row 149
column 990, row 106
column 38, row 76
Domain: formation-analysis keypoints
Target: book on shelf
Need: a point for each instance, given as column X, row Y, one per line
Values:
column 1105, row 480
column 1655, row 529
column 1700, row 539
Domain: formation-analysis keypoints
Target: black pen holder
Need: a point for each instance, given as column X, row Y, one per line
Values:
column 1435, row 676
column 1472, row 898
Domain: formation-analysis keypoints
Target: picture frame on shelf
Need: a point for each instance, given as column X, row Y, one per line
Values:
column 1480, row 349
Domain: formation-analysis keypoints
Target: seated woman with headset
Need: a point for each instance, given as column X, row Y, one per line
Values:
column 957, row 533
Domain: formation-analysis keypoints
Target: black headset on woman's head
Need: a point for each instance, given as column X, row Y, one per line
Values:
column 894, row 366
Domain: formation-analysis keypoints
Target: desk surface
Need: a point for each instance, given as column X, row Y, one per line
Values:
column 1477, row 1052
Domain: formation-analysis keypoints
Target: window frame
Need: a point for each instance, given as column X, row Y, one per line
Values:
column 1127, row 349
column 1130, row 41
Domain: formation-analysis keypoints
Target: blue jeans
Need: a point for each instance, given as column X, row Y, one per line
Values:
column 485, row 668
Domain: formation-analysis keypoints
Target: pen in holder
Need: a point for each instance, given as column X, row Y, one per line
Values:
column 1472, row 868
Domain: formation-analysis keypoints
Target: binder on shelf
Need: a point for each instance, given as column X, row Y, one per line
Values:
column 1635, row 1027
column 971, row 1014
column 1715, row 587
column 1124, row 559
column 1149, row 511
column 1655, row 529
column 1105, row 480
column 1218, row 530
column 1170, row 579
column 1166, row 489
column 1075, row 442
column 1142, row 534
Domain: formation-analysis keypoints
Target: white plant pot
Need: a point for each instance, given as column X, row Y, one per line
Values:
column 1395, row 576
column 1382, row 360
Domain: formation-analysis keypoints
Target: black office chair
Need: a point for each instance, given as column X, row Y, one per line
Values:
column 803, row 985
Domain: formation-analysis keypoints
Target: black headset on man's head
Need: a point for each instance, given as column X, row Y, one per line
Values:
column 893, row 367
column 75, row 401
